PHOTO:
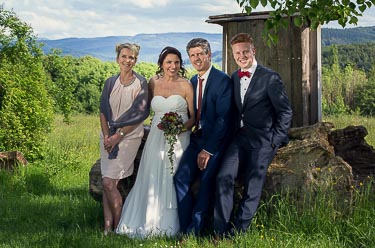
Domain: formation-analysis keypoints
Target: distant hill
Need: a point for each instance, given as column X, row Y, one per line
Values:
column 358, row 35
column 152, row 44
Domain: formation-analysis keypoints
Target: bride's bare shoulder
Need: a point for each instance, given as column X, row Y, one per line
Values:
column 184, row 80
column 155, row 78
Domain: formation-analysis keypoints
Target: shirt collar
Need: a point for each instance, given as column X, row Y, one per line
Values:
column 205, row 75
column 252, row 68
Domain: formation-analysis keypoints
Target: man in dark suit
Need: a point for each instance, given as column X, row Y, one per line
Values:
column 211, row 133
column 263, row 119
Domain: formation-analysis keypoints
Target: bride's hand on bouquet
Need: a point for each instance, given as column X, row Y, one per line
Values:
column 184, row 129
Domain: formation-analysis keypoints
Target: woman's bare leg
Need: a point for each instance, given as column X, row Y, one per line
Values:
column 114, row 200
column 108, row 218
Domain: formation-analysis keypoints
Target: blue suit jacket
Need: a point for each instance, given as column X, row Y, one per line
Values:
column 216, row 120
column 266, row 112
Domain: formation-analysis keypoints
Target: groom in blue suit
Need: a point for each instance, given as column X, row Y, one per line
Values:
column 213, row 105
column 263, row 119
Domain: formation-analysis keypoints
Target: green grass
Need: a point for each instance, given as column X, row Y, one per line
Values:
column 47, row 204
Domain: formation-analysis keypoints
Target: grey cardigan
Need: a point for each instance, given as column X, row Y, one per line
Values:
column 137, row 113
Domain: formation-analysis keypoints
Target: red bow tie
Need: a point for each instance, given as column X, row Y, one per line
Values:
column 244, row 74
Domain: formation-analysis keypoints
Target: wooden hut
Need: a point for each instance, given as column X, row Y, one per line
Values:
column 296, row 57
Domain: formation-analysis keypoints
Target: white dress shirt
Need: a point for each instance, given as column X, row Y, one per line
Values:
column 245, row 81
column 204, row 76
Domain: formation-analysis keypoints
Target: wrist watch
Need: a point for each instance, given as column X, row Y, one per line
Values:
column 122, row 134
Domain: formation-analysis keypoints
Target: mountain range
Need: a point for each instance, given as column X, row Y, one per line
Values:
column 151, row 44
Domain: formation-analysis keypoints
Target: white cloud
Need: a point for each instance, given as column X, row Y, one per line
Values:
column 149, row 3
column 216, row 7
column 73, row 18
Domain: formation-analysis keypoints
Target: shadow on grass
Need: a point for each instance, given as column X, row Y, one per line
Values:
column 32, row 210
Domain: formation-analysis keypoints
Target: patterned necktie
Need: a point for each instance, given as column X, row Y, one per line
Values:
column 244, row 74
column 200, row 83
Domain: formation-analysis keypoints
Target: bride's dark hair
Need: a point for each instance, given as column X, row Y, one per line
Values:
column 170, row 50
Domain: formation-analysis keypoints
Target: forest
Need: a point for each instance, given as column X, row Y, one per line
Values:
column 360, row 56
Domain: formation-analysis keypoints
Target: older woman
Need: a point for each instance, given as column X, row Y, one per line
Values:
column 123, row 108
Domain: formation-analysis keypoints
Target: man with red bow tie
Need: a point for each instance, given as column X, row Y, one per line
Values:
column 262, row 121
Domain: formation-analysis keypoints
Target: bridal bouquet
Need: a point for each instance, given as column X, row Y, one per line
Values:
column 171, row 124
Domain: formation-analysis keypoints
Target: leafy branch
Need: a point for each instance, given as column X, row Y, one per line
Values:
column 307, row 13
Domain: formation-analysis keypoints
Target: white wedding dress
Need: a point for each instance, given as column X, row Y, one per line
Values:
column 150, row 209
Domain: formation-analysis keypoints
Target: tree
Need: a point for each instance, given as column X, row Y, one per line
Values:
column 345, row 89
column 148, row 70
column 25, row 108
column 308, row 13
column 76, row 82
column 360, row 56
column 91, row 74
column 63, row 76
column 366, row 95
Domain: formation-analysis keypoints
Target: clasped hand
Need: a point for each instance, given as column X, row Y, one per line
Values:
column 110, row 142
column 202, row 159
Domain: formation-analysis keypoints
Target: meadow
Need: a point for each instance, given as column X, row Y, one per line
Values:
column 47, row 203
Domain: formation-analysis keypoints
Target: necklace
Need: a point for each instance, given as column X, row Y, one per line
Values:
column 126, row 84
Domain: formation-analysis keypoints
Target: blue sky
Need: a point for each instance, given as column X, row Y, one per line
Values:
column 56, row 19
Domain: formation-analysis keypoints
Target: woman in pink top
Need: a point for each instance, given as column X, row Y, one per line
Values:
column 123, row 108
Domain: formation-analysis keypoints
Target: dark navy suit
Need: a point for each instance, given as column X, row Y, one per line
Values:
column 266, row 116
column 215, row 127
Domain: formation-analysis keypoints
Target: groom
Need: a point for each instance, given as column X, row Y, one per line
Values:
column 212, row 99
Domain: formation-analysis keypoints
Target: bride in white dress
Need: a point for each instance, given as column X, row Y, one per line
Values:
column 150, row 209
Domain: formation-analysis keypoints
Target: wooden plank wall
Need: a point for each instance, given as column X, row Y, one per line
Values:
column 296, row 57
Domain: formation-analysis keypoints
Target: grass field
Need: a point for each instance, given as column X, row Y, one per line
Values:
column 47, row 204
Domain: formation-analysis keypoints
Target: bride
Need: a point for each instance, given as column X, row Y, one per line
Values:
column 150, row 209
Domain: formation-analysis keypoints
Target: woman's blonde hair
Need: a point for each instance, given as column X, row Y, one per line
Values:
column 134, row 47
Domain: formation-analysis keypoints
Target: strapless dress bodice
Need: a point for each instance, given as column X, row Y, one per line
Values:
column 175, row 103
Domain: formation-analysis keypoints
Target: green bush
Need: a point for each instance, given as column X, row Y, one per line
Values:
column 147, row 70
column 25, row 107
